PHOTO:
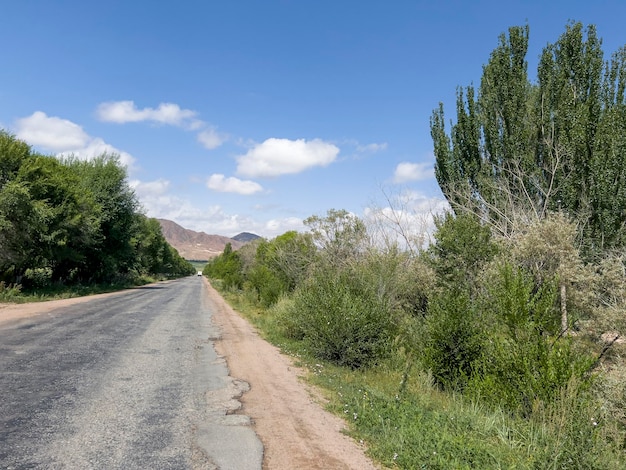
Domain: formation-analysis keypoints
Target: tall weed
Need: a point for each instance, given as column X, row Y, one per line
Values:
column 9, row 292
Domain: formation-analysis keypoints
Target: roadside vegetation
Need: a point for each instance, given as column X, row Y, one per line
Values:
column 70, row 226
column 497, row 344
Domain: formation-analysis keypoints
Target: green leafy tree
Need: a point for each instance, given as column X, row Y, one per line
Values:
column 68, row 224
column 280, row 265
column 227, row 267
column 519, row 150
column 340, row 236
column 462, row 247
column 155, row 256
column 116, row 209
column 20, row 217
column 13, row 153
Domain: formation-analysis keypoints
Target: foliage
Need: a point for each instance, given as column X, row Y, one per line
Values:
column 20, row 218
column 407, row 423
column 73, row 222
column 526, row 358
column 462, row 246
column 280, row 265
column 451, row 339
column 340, row 236
column 153, row 254
column 519, row 150
column 341, row 317
column 227, row 267
column 113, row 252
column 9, row 292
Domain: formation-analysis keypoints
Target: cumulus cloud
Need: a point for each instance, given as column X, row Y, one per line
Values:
column 166, row 113
column 64, row 137
column 218, row 182
column 276, row 157
column 407, row 171
column 406, row 218
column 150, row 188
column 279, row 226
column 96, row 147
column 51, row 133
column 122, row 112
column 210, row 138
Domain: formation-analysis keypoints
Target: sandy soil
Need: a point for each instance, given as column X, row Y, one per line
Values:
column 288, row 415
column 17, row 312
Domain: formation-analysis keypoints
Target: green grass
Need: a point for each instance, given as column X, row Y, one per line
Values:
column 407, row 423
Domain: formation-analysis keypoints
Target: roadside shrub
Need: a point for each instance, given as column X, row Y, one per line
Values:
column 525, row 360
column 37, row 277
column 266, row 284
column 341, row 318
column 282, row 314
column 452, row 339
column 9, row 292
column 226, row 267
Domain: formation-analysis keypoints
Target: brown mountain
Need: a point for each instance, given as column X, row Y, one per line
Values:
column 197, row 246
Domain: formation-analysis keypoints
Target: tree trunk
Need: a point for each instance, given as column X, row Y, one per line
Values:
column 564, row 325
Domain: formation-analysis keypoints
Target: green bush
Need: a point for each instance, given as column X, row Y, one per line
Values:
column 9, row 292
column 37, row 277
column 282, row 313
column 268, row 286
column 342, row 319
column 226, row 267
column 525, row 359
column 452, row 339
column 461, row 248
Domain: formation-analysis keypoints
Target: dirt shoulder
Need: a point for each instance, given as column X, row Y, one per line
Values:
column 19, row 312
column 295, row 429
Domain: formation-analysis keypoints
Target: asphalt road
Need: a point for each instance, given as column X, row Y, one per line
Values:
column 130, row 381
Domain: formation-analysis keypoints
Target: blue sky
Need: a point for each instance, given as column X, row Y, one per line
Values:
column 253, row 115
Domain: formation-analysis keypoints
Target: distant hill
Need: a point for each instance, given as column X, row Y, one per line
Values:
column 245, row 237
column 198, row 246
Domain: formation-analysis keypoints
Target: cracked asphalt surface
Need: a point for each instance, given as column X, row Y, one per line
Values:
column 127, row 381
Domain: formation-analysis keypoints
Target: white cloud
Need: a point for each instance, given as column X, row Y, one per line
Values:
column 276, row 157
column 406, row 218
column 372, row 148
column 279, row 226
column 149, row 188
column 407, row 171
column 96, row 147
column 218, row 182
column 51, row 133
column 64, row 137
column 210, row 138
column 420, row 203
column 166, row 113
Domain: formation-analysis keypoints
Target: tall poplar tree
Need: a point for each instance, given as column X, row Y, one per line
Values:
column 520, row 149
